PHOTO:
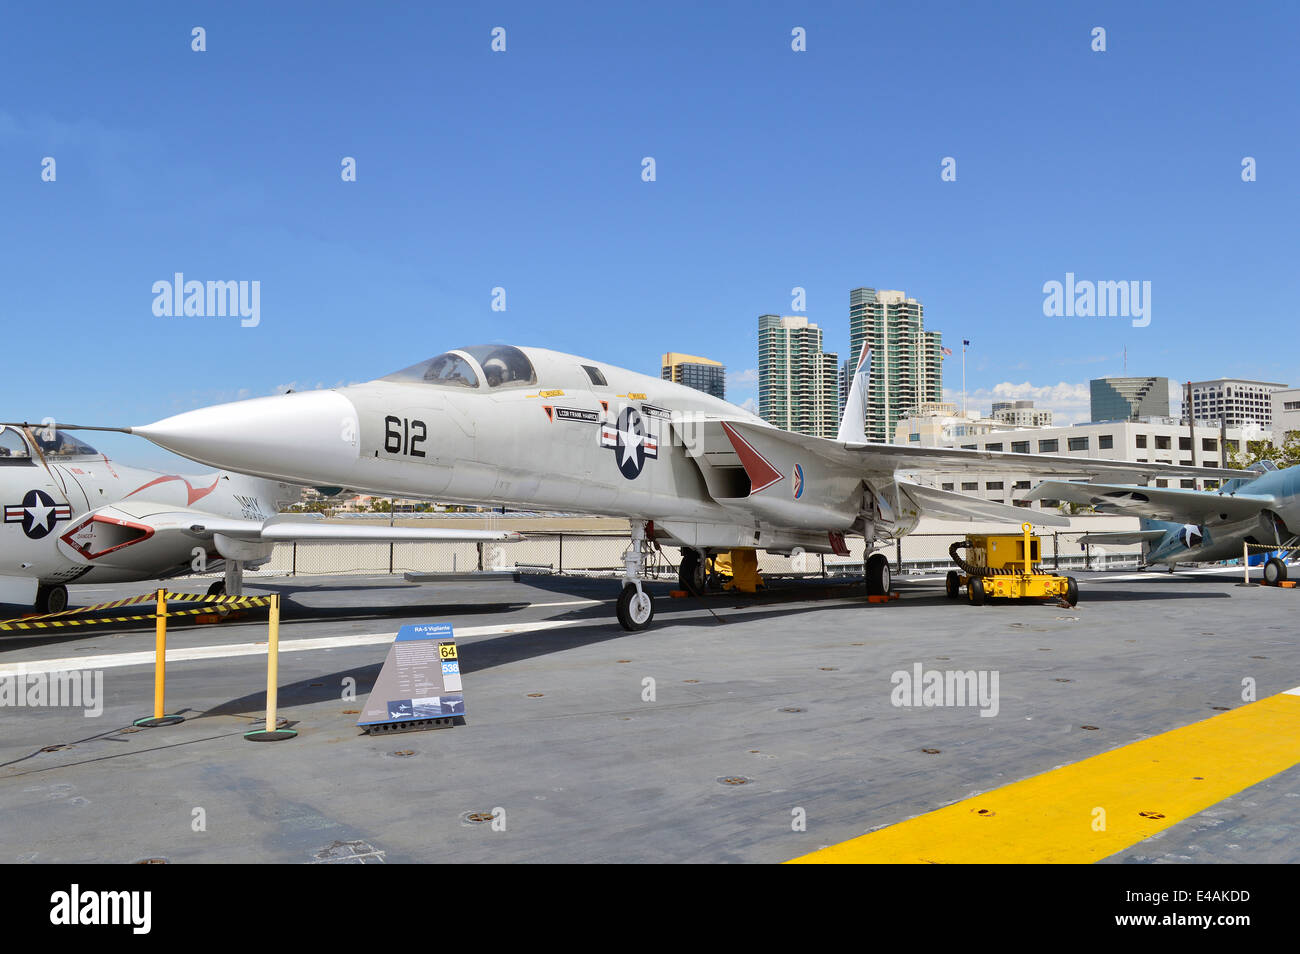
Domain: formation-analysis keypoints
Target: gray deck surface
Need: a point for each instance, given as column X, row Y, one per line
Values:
column 589, row 772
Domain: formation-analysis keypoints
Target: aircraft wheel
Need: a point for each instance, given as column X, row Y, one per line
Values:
column 692, row 574
column 1274, row 571
column 51, row 599
column 975, row 591
column 217, row 589
column 953, row 584
column 635, row 610
column 1072, row 591
column 878, row 575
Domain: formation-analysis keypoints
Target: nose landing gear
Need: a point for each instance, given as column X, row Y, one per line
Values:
column 636, row 607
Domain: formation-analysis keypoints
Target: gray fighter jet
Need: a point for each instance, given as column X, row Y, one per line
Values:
column 537, row 429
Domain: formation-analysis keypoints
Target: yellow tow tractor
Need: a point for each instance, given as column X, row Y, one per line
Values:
column 1002, row 566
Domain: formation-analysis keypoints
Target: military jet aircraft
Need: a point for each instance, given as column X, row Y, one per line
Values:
column 1260, row 506
column 538, row 429
column 70, row 514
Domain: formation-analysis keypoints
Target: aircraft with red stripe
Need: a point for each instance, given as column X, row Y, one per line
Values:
column 537, row 429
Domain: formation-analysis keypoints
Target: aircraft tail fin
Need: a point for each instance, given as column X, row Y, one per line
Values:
column 853, row 423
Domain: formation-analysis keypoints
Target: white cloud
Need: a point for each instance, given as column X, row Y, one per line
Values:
column 1070, row 403
column 742, row 379
column 750, row 405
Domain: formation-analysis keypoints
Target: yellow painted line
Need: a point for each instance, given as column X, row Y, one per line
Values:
column 1053, row 817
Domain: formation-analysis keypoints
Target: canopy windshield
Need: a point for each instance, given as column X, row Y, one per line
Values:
column 62, row 444
column 497, row 365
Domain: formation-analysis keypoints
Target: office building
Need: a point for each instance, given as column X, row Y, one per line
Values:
column 1237, row 402
column 703, row 374
column 906, row 360
column 798, row 383
column 1163, row 440
column 1128, row 399
column 1286, row 413
column 1020, row 414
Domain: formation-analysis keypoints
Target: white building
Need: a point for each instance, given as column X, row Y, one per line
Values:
column 1238, row 402
column 1286, row 412
column 936, row 423
column 1021, row 414
column 1161, row 440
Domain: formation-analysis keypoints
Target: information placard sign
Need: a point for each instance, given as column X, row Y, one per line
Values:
column 420, row 680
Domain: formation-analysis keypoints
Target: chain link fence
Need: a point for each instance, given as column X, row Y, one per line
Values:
column 600, row 553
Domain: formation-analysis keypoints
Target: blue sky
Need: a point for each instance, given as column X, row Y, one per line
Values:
column 522, row 169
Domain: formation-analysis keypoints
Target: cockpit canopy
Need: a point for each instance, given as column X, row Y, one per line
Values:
column 53, row 443
column 497, row 365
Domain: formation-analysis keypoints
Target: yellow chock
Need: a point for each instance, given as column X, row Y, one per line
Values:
column 744, row 571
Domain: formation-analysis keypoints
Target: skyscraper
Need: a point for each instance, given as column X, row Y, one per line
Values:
column 798, row 383
column 703, row 374
column 846, row 381
column 1127, row 399
column 906, row 360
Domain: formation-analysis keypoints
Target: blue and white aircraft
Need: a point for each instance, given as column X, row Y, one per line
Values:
column 1261, row 508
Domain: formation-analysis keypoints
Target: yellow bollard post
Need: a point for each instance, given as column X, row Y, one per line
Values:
column 160, row 655
column 271, row 733
column 159, row 717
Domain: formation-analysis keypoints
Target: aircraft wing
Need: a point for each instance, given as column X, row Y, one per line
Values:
column 715, row 440
column 948, row 505
column 949, row 460
column 1121, row 537
column 281, row 530
column 1160, row 503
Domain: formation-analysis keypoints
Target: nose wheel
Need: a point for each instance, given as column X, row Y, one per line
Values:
column 636, row 608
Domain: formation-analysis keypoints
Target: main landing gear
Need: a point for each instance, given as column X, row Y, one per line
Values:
column 1274, row 571
column 636, row 607
column 51, row 599
column 879, row 576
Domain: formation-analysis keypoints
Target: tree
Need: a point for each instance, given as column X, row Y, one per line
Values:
column 1287, row 455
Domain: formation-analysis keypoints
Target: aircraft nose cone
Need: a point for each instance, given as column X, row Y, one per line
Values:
column 286, row 437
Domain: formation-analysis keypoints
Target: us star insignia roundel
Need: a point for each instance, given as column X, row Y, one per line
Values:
column 38, row 513
column 631, row 442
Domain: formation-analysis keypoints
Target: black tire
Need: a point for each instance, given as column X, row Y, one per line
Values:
column 975, row 591
column 633, row 614
column 1072, row 591
column 878, row 575
column 952, row 583
column 51, row 599
column 1274, row 571
column 217, row 589
column 692, row 574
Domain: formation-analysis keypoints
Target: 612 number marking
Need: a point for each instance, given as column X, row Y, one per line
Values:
column 404, row 437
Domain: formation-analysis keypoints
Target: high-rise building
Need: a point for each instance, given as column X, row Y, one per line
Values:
column 1020, row 414
column 797, row 381
column 1236, row 401
column 906, row 360
column 703, row 374
column 1127, row 399
column 846, row 382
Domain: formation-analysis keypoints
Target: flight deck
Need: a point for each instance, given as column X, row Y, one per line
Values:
column 737, row 729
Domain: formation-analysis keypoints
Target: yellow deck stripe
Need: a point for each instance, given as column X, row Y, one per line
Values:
column 1050, row 817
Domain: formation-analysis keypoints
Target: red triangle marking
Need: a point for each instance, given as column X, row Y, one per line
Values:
column 761, row 473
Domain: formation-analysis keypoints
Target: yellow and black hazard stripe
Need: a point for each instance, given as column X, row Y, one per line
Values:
column 75, row 617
